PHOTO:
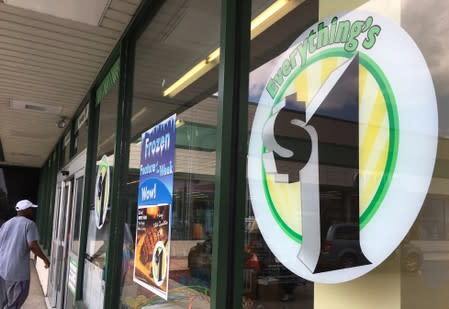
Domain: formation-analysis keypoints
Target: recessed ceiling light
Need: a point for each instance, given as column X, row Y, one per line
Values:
column 29, row 135
column 35, row 107
column 23, row 154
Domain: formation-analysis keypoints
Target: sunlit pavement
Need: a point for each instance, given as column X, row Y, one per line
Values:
column 35, row 299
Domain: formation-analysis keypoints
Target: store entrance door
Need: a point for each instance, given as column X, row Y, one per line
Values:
column 66, row 232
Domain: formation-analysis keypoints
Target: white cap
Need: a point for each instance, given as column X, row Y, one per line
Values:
column 24, row 204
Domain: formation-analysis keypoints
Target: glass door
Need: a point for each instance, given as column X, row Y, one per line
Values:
column 73, row 238
column 55, row 246
column 65, row 214
column 66, row 234
column 59, row 242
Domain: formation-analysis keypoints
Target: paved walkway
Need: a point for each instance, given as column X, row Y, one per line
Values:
column 35, row 299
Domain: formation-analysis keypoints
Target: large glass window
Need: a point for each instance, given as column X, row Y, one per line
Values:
column 76, row 219
column 81, row 130
column 181, row 37
column 268, row 283
column 424, row 253
column 333, row 154
column 65, row 158
column 99, row 226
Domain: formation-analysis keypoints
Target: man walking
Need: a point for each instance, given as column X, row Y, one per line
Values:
column 17, row 237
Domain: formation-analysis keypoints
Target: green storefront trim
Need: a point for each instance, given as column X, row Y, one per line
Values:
column 108, row 82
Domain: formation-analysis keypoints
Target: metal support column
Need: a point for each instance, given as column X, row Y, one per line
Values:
column 232, row 131
column 91, row 154
column 118, row 189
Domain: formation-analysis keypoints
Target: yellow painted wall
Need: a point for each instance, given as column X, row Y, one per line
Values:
column 330, row 7
column 387, row 8
column 380, row 289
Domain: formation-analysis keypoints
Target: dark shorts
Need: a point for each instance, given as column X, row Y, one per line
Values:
column 13, row 293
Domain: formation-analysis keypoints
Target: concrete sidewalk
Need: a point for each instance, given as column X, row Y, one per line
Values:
column 35, row 299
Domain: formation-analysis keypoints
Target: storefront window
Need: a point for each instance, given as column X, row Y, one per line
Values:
column 181, row 35
column 81, row 131
column 348, row 146
column 99, row 227
column 76, row 220
column 425, row 251
column 268, row 283
column 66, row 149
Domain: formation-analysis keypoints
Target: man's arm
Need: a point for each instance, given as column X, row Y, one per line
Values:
column 34, row 246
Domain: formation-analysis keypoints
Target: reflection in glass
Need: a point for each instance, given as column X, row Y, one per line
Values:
column 166, row 50
column 417, row 273
column 97, row 238
column 81, row 131
column 76, row 225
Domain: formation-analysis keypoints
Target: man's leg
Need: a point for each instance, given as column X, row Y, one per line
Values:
column 17, row 293
column 3, row 298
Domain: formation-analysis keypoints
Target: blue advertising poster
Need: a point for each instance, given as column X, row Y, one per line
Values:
column 157, row 163
column 155, row 196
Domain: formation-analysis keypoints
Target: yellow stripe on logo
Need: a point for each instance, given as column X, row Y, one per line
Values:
column 373, row 139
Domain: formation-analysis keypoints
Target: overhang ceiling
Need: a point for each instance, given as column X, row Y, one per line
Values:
column 49, row 63
column 85, row 11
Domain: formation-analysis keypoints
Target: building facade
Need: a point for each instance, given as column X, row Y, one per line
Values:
column 304, row 153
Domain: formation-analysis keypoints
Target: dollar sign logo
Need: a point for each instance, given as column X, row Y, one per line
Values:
column 294, row 153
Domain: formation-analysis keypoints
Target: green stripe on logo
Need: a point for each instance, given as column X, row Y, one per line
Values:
column 393, row 145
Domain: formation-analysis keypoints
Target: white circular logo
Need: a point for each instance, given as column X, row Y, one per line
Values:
column 346, row 128
column 102, row 191
column 159, row 263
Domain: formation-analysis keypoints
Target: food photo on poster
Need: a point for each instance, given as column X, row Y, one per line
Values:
column 152, row 247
